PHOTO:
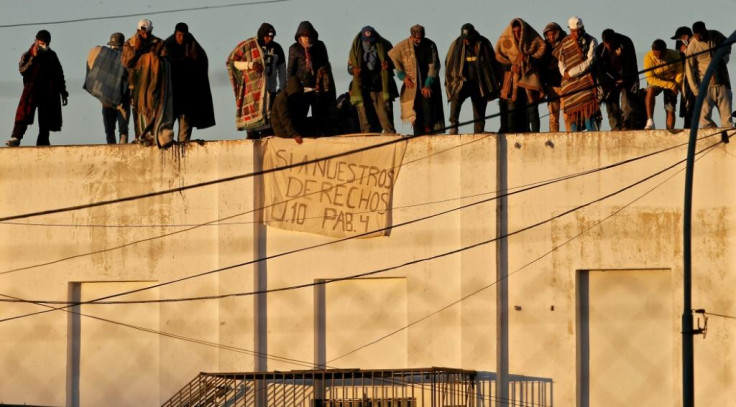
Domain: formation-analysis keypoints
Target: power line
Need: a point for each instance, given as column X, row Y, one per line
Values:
column 261, row 172
column 148, row 13
column 275, row 358
column 552, row 250
column 351, row 277
column 519, row 189
column 518, row 270
column 213, row 221
column 719, row 315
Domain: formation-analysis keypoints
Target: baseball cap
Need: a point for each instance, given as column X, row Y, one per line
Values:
column 145, row 25
column 575, row 23
column 116, row 40
column 680, row 32
column 367, row 34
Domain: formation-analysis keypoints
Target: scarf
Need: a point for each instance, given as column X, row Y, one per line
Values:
column 357, row 58
column 578, row 93
column 308, row 58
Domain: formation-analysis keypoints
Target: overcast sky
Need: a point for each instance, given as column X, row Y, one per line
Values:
column 337, row 21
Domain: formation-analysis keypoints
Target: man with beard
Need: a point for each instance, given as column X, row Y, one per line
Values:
column 470, row 72
column 417, row 64
column 190, row 82
column 44, row 89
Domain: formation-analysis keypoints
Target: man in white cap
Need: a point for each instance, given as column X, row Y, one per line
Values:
column 150, row 85
column 577, row 55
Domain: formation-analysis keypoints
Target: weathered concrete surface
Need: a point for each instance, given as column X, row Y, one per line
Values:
column 154, row 240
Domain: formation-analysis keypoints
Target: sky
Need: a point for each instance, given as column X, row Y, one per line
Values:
column 225, row 23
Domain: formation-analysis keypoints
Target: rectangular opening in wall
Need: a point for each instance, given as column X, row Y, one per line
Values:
column 625, row 337
column 355, row 313
column 110, row 362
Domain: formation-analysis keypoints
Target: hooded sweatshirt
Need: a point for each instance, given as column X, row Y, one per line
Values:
column 304, row 62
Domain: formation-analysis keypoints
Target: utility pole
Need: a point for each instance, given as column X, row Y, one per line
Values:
column 688, row 375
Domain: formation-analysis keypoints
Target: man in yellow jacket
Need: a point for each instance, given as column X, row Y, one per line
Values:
column 663, row 71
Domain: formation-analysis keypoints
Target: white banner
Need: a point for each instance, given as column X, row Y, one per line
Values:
column 338, row 197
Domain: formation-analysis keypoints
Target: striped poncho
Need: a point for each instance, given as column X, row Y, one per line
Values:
column 578, row 93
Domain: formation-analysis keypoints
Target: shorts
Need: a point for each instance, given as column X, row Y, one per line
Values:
column 670, row 97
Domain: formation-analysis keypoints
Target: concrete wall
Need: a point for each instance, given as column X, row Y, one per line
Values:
column 551, row 270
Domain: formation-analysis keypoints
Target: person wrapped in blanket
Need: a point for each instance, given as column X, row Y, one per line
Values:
column 150, row 85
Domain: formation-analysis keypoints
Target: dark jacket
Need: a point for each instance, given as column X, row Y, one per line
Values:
column 288, row 113
column 607, row 71
column 298, row 58
column 550, row 72
column 485, row 66
column 383, row 77
column 190, row 81
column 43, row 83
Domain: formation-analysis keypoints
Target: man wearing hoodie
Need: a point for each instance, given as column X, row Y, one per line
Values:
column 308, row 62
column 373, row 79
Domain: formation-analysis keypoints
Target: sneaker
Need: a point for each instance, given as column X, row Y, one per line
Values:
column 13, row 142
column 649, row 125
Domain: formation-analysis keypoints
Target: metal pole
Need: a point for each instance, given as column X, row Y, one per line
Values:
column 688, row 376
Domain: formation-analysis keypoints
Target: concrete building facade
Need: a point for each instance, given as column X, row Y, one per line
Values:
column 553, row 257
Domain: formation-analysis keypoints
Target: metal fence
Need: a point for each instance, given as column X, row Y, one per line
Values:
column 427, row 387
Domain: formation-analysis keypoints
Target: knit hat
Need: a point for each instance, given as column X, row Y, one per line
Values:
column 182, row 28
column 145, row 25
column 368, row 34
column 699, row 27
column 44, row 36
column 682, row 31
column 116, row 40
column 416, row 29
column 575, row 23
column 467, row 31
column 659, row 45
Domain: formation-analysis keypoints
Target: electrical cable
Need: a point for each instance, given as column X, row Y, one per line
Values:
column 569, row 240
column 552, row 250
column 719, row 315
column 148, row 13
column 518, row 189
column 235, row 177
column 354, row 276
